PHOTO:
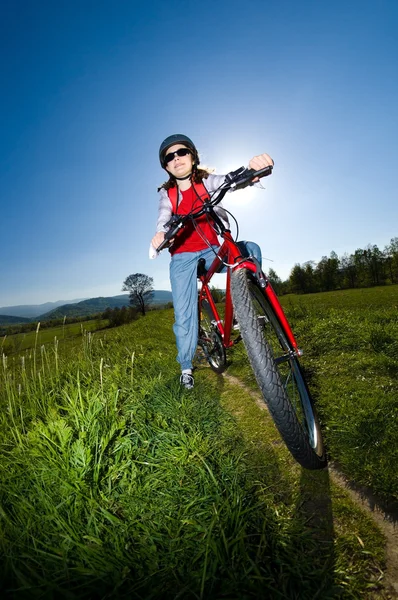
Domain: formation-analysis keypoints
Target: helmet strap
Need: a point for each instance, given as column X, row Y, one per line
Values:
column 183, row 178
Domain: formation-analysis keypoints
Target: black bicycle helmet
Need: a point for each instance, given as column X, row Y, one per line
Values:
column 177, row 138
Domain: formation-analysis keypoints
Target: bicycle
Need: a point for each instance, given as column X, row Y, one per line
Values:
column 271, row 346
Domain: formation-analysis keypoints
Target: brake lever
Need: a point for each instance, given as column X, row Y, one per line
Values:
column 172, row 221
column 234, row 175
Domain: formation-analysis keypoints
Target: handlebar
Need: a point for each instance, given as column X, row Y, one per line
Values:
column 236, row 180
column 242, row 177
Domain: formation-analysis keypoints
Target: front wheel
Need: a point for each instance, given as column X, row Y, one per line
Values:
column 210, row 338
column 277, row 371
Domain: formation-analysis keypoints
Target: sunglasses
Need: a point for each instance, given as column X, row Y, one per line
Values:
column 171, row 155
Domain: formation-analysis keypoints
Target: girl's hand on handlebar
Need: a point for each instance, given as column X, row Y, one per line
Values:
column 260, row 162
column 157, row 239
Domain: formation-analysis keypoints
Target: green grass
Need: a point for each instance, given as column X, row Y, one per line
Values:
column 115, row 483
column 339, row 540
column 356, row 299
column 351, row 344
column 23, row 341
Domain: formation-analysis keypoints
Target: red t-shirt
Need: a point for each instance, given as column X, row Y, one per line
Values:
column 189, row 239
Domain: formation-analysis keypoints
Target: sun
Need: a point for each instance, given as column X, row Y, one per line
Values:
column 242, row 196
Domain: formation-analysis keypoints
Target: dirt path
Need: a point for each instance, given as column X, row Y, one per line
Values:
column 385, row 516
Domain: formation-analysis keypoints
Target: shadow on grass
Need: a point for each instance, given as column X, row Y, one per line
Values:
column 314, row 509
column 296, row 534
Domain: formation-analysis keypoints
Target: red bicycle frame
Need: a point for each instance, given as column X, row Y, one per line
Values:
column 230, row 253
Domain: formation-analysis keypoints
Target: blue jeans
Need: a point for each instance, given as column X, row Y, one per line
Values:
column 184, row 287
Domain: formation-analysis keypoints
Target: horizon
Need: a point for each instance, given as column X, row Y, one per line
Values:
column 88, row 95
column 71, row 300
column 217, row 280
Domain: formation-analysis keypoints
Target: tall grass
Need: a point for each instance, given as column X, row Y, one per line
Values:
column 19, row 342
column 112, row 482
column 115, row 483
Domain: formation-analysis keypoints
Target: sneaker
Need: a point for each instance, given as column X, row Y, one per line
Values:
column 235, row 325
column 187, row 381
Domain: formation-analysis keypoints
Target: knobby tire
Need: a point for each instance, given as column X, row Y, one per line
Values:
column 277, row 371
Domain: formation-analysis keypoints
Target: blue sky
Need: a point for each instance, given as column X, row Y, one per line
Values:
column 89, row 89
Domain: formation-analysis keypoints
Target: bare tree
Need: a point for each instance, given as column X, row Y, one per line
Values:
column 140, row 288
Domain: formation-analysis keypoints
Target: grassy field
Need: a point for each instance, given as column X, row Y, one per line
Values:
column 22, row 341
column 350, row 342
column 114, row 483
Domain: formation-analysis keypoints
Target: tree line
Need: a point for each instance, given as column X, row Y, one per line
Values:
column 366, row 267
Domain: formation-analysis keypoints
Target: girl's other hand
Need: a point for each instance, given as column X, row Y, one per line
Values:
column 260, row 162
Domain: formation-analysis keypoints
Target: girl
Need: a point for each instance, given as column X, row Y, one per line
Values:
column 179, row 157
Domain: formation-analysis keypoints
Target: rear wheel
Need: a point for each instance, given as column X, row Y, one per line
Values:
column 210, row 338
column 277, row 371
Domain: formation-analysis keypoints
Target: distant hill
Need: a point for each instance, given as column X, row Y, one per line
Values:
column 97, row 305
column 30, row 311
column 10, row 315
column 8, row 320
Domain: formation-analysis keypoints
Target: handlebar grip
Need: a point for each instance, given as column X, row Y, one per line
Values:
column 264, row 172
column 162, row 246
column 261, row 173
